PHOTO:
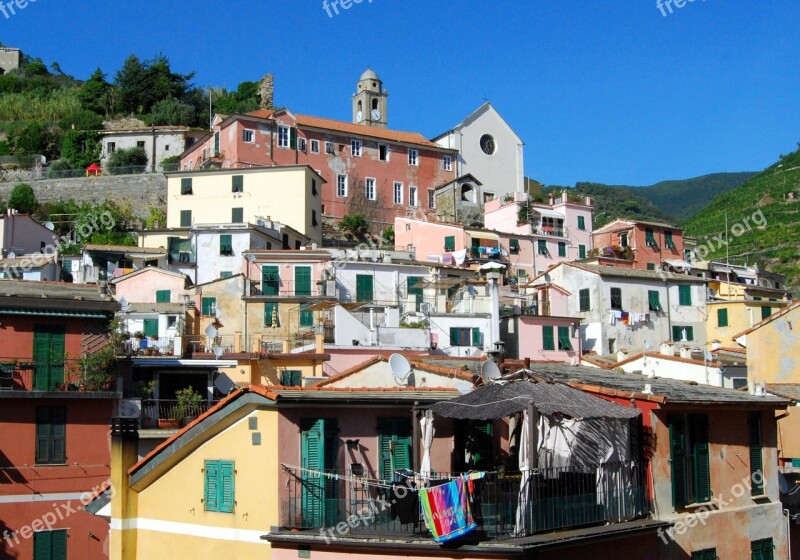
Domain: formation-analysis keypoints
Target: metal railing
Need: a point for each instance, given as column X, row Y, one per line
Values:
column 169, row 413
column 147, row 347
column 503, row 505
column 25, row 374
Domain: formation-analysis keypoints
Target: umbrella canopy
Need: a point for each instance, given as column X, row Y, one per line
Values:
column 504, row 398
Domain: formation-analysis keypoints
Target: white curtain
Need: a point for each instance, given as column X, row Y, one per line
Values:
column 523, row 499
column 427, row 431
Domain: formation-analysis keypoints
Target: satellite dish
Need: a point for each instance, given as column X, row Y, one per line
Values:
column 210, row 331
column 50, row 225
column 489, row 371
column 224, row 384
column 218, row 352
column 400, row 367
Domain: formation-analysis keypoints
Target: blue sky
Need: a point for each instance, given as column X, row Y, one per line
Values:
column 611, row 92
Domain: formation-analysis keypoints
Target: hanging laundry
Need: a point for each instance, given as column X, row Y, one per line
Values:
column 612, row 319
column 625, row 317
column 446, row 510
column 460, row 256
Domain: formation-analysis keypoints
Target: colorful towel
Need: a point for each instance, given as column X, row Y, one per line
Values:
column 446, row 510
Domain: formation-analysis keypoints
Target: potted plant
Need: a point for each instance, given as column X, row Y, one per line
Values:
column 187, row 406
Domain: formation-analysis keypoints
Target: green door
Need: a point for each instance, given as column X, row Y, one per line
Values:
column 319, row 454
column 48, row 356
column 412, row 284
column 270, row 280
column 302, row 280
column 394, row 444
column 364, row 287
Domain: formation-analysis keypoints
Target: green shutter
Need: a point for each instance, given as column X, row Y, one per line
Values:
column 562, row 249
column 585, row 300
column 756, row 455
column 450, row 243
column 292, row 378
column 151, row 327
column 548, row 340
column 186, row 218
column 306, row 318
column 581, row 222
column 59, row 435
column 216, row 143
column 762, row 549
column 48, row 356
column 689, row 333
column 722, row 317
column 237, row 215
column 226, row 245
column 302, row 280
column 454, row 336
column 477, row 337
column 237, row 183
column 765, row 312
column 272, row 315
column 163, row 296
column 654, row 299
column 270, row 280
column 650, row 239
column 186, row 185
column 482, row 435
column 293, row 138
column 706, row 554
column 582, row 251
column 394, row 445
column 685, row 294
column 42, row 545
column 542, row 244
column 58, row 545
column 227, row 486
column 312, row 450
column 563, row 339
column 679, row 462
column 211, row 486
column 514, row 245
column 208, row 306
column 668, row 241
column 364, row 285
column 698, row 424
column 44, row 435
column 616, row 298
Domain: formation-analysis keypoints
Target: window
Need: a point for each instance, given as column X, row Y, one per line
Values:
column 330, row 148
column 112, row 147
column 163, row 296
column 585, row 300
column 623, row 240
column 225, row 274
column 581, row 222
column 369, row 188
column 292, row 378
column 208, row 306
column 450, row 243
column 314, row 146
column 186, row 218
column 355, row 148
column 685, row 295
column 682, row 334
column 542, row 246
column 691, row 479
column 616, row 298
column 341, row 186
column 413, row 157
column 464, row 336
column 762, row 550
column 562, row 249
column 314, row 222
column 140, row 144
column 237, row 183
column 50, row 545
column 765, row 312
column 513, row 246
column 216, row 144
column 314, row 187
column 248, row 136
column 448, row 163
column 306, row 319
column 756, row 455
column 707, row 554
column 284, row 137
column 226, row 245
column 398, row 193
column 668, row 240
column 395, row 445
column 51, row 435
column 581, row 251
column 237, row 215
column 186, row 185
column 150, row 328
column 432, row 198
column 302, row 280
column 272, row 315
column 651, row 266
column 722, row 317
column 487, row 144
column 270, row 280
column 548, row 338
column 649, row 237
column 218, row 486
column 364, row 288
column 383, row 152
column 413, row 196
column 301, row 144
column 563, row 339
column 654, row 300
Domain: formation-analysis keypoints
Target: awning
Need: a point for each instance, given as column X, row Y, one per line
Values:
column 133, row 255
column 177, row 362
column 677, row 263
column 483, row 235
column 745, row 274
column 325, row 305
column 441, row 283
column 549, row 213
column 504, row 398
column 53, row 313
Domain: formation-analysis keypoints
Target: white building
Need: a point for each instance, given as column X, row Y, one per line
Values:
column 631, row 309
column 159, row 143
column 489, row 149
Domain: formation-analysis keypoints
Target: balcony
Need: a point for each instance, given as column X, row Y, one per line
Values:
column 25, row 374
column 169, row 414
column 147, row 347
column 485, row 253
column 510, row 505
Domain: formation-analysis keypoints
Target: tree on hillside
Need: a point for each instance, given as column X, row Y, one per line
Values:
column 81, row 148
column 133, row 160
column 96, row 94
column 245, row 99
column 170, row 111
column 23, row 199
column 143, row 84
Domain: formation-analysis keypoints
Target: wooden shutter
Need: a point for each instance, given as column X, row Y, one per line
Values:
column 44, row 431
column 41, row 359
column 477, row 337
column 450, row 243
column 582, row 251
column 209, row 306
column 237, row 183
column 698, row 424
column 581, row 222
column 312, row 449
column 394, row 444
column 270, row 280
column 676, row 333
column 58, row 351
column 454, row 336
column 562, row 249
column 684, row 295
column 186, row 218
column 151, row 327
column 237, row 215
column 292, row 378
column 226, row 245
column 766, row 312
column 42, row 545
column 211, row 486
column 678, row 458
column 364, row 284
column 186, row 185
column 542, row 246
column 722, row 317
column 302, row 280
column 226, row 497
column 58, row 426
column 756, row 455
column 163, row 296
column 654, row 300
column 585, row 300
column 216, row 143
column 306, row 318
column 563, row 339
column 548, row 340
column 58, row 545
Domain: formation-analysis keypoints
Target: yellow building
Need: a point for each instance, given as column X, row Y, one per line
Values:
column 772, row 347
column 735, row 307
column 290, row 193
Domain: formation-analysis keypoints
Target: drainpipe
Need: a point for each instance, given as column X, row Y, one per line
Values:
column 494, row 292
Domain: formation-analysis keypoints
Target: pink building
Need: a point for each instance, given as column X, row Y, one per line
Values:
column 152, row 285
column 374, row 171
column 640, row 245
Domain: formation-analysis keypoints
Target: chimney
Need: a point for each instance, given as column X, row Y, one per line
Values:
column 686, row 352
column 667, row 348
column 124, row 454
column 551, row 198
column 564, row 196
column 267, row 92
column 588, row 201
column 622, row 354
column 716, row 345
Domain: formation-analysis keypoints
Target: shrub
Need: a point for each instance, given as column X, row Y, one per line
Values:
column 23, row 199
column 81, row 120
column 133, row 160
column 355, row 224
column 81, row 148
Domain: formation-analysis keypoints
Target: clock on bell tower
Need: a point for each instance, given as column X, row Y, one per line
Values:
column 369, row 101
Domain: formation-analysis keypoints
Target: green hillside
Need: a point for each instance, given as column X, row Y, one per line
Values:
column 683, row 199
column 612, row 202
column 775, row 246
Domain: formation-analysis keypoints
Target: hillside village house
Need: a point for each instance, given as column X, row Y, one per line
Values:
column 158, row 142
column 640, row 245
column 366, row 167
column 734, row 307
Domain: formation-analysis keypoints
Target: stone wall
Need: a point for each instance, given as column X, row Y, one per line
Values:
column 141, row 192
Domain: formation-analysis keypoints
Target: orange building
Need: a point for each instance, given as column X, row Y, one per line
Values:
column 639, row 245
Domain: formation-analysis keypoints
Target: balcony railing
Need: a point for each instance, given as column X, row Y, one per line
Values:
column 25, row 374
column 169, row 414
column 489, row 253
column 510, row 505
column 147, row 347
